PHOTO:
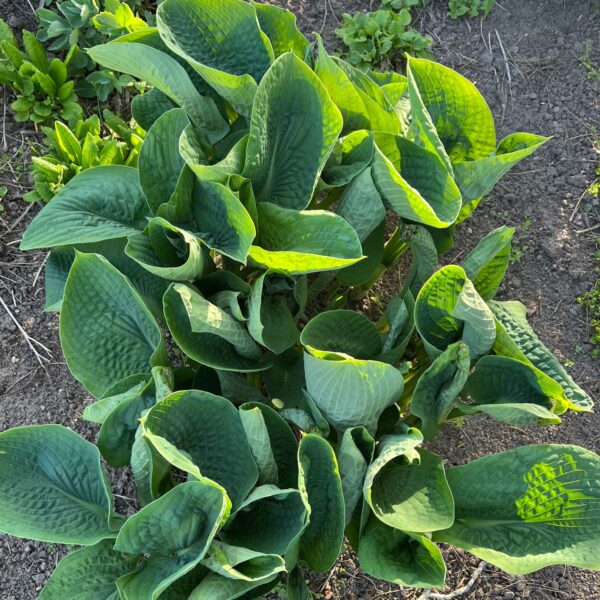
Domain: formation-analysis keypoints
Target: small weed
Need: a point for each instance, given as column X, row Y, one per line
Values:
column 379, row 39
column 518, row 247
column 592, row 69
column 469, row 8
column 3, row 192
column 591, row 301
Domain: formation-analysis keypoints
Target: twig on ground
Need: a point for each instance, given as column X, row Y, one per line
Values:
column 577, row 205
column 31, row 6
column 37, row 275
column 429, row 595
column 593, row 228
column 505, row 63
column 30, row 341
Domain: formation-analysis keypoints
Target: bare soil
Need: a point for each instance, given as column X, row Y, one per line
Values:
column 525, row 57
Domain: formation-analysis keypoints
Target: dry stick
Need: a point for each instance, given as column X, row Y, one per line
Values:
column 588, row 229
column 37, row 275
column 31, row 6
column 578, row 203
column 40, row 358
column 429, row 595
column 506, row 64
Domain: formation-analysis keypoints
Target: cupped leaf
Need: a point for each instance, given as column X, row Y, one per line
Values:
column 487, row 263
column 293, row 129
column 458, row 111
column 476, row 178
column 284, row 445
column 53, row 487
column 270, row 321
column 203, row 435
column 208, row 334
column 279, row 25
column 355, row 454
column 424, row 257
column 448, row 308
column 399, row 325
column 149, row 469
column 320, row 485
column 414, row 183
column 352, row 392
column 222, row 41
column 168, row 251
column 106, row 331
column 164, row 73
column 406, row 488
column 98, row 204
column 297, row 242
column 217, row 587
column 345, row 332
column 521, row 413
column 160, row 163
column 528, row 508
column 189, row 516
column 438, row 387
column 260, row 445
column 409, row 560
column 268, row 521
column 243, row 564
column 516, row 339
column 222, row 221
column 90, row 573
column 500, row 380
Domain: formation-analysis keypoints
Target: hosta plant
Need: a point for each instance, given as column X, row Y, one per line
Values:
column 44, row 91
column 206, row 303
column 89, row 143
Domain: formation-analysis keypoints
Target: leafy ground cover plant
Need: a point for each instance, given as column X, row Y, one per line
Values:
column 380, row 38
column 81, row 24
column 470, row 8
column 43, row 89
column 90, row 143
column 277, row 426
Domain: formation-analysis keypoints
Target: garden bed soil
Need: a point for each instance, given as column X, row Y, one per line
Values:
column 525, row 59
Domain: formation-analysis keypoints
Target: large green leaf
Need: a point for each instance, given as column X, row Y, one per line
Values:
column 164, row 73
column 424, row 257
column 208, row 334
column 516, row 339
column 476, row 178
column 102, row 203
column 458, row 111
column 189, row 516
column 160, row 163
column 344, row 332
column 147, row 107
column 438, row 387
column 321, row 487
column 296, row 242
column 52, row 486
column 406, row 488
column 528, row 508
column 487, row 263
column 414, row 183
column 260, row 445
column 168, row 251
column 448, row 308
column 361, row 101
column 149, row 469
column 202, row 434
column 268, row 521
column 410, row 560
column 106, row 331
column 280, row 26
column 293, row 129
column 222, row 41
column 352, row 392
column 218, row 587
column 222, row 221
column 58, row 265
column 88, row 574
